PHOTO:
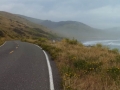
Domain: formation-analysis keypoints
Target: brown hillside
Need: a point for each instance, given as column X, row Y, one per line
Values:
column 15, row 27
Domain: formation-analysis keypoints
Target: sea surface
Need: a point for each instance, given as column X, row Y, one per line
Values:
column 109, row 43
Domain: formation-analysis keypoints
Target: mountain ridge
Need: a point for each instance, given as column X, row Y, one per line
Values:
column 70, row 29
column 22, row 25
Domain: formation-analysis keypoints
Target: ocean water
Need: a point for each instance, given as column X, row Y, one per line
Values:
column 109, row 43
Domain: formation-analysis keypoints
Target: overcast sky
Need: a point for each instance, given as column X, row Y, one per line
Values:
column 95, row 13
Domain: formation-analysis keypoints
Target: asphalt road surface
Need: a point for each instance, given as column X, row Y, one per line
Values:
column 23, row 66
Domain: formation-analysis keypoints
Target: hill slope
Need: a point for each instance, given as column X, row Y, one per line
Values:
column 78, row 30
column 15, row 27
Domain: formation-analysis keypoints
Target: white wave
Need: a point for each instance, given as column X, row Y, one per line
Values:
column 104, row 42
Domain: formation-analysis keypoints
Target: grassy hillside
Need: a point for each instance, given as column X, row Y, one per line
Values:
column 84, row 68
column 34, row 20
column 15, row 27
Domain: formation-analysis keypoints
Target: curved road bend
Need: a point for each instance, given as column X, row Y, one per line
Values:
column 23, row 66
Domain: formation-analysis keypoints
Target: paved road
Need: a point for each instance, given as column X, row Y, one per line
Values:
column 23, row 66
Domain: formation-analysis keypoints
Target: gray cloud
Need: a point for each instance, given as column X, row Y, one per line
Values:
column 96, row 13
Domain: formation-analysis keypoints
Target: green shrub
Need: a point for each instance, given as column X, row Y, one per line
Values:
column 118, row 58
column 42, row 39
column 115, row 50
column 73, row 41
column 80, row 64
column 68, row 71
column 99, row 45
column 83, row 65
column 114, row 72
column 94, row 66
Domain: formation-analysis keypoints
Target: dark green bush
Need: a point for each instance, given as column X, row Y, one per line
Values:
column 73, row 41
column 94, row 66
column 83, row 65
column 114, row 72
column 115, row 50
column 80, row 64
column 68, row 71
column 99, row 45
column 118, row 58
column 42, row 40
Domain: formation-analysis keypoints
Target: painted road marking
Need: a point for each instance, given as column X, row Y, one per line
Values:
column 38, row 46
column 11, row 52
column 49, row 70
column 3, row 44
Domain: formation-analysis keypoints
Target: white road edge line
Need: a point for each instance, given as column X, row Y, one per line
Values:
column 38, row 46
column 3, row 44
column 49, row 70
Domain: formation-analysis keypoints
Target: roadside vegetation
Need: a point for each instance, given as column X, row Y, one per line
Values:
column 2, row 40
column 84, row 68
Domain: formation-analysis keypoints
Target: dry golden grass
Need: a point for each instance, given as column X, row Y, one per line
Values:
column 84, row 68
